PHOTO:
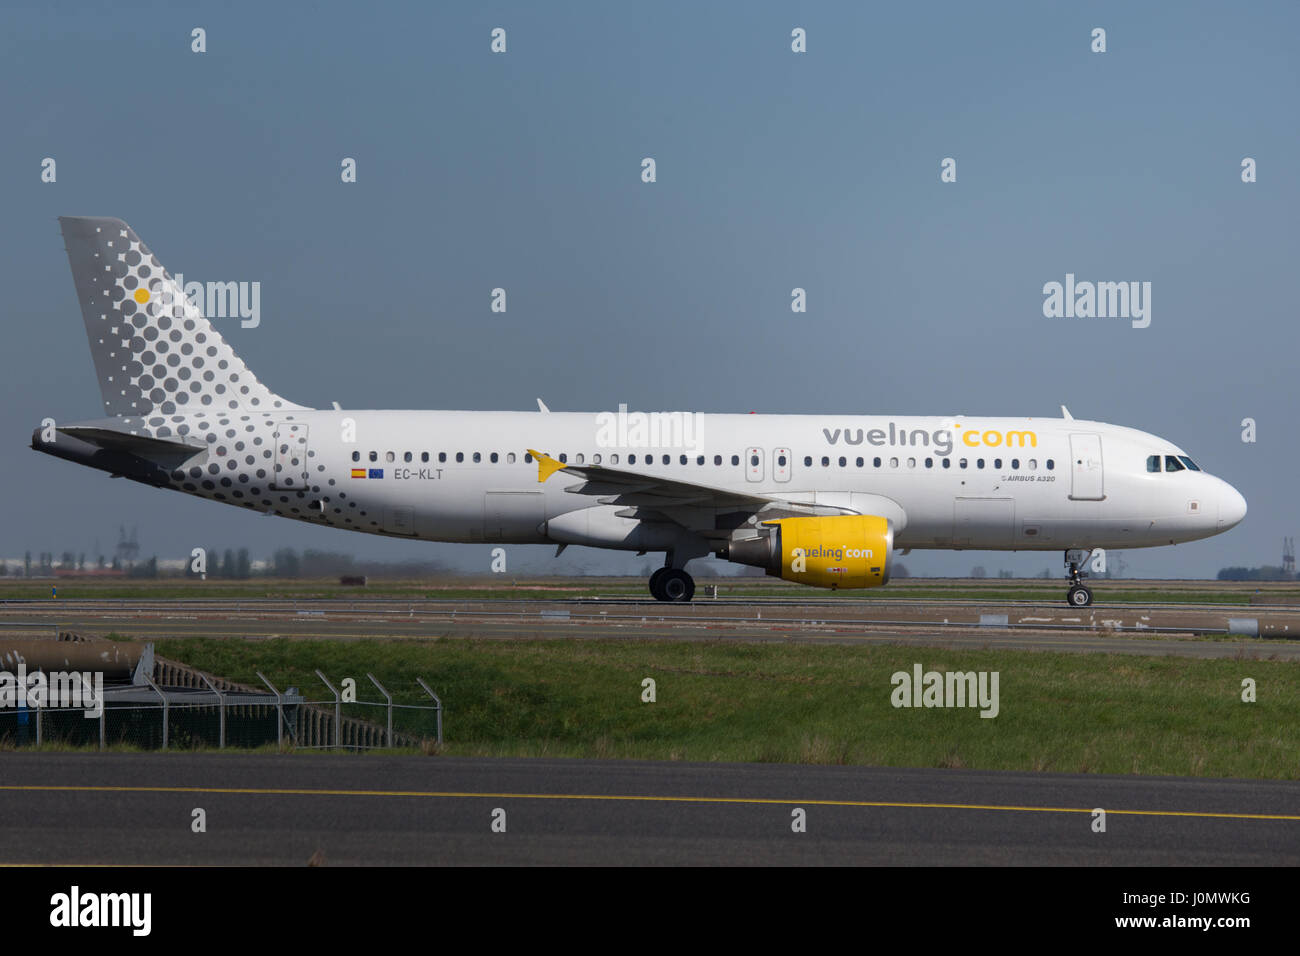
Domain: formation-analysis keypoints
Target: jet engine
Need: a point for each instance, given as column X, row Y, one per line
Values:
column 836, row 551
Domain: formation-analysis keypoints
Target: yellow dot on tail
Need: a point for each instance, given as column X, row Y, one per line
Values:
column 142, row 295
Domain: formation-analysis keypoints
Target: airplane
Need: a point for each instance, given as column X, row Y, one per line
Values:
column 823, row 500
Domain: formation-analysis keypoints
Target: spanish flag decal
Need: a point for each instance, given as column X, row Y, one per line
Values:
column 358, row 473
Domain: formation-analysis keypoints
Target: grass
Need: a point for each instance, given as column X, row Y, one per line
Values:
column 799, row 703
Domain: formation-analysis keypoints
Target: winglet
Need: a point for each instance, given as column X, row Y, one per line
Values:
column 546, row 465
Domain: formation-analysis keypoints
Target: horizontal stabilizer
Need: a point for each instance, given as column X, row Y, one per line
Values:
column 160, row 451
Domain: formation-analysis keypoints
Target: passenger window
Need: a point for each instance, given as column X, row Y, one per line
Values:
column 753, row 461
column 947, row 463
column 408, row 457
column 528, row 457
column 893, row 463
column 356, row 456
column 478, row 457
column 631, row 459
column 668, row 459
column 1173, row 464
column 700, row 460
column 1033, row 464
column 717, row 460
column 807, row 461
column 389, row 456
column 961, row 463
column 613, row 458
column 911, row 463
column 442, row 457
column 826, row 462
column 424, row 456
column 374, row 456
column 875, row 463
column 780, row 460
column 860, row 463
column 510, row 458
column 1015, row 464
column 579, row 458
column 735, row 459
column 929, row 463
column 1051, row 464
column 493, row 458
column 843, row 461
column 979, row 462
column 460, row 456
column 997, row 463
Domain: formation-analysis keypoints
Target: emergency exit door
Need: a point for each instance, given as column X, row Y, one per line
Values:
column 1086, row 473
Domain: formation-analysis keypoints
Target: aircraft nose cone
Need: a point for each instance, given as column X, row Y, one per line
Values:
column 1232, row 507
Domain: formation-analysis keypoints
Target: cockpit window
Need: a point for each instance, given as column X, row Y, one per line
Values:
column 1173, row 464
column 1189, row 463
column 1153, row 462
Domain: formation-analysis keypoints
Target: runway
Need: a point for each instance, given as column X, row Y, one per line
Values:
column 1188, row 630
column 137, row 809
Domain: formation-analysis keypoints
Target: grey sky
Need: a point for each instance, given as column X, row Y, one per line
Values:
column 775, row 170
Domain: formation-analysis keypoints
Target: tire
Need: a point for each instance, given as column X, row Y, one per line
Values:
column 656, row 585
column 1079, row 596
column 676, row 586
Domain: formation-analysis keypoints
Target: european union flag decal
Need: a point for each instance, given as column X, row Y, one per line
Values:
column 376, row 472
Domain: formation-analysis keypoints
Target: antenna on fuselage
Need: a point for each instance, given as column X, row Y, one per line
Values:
column 1065, row 413
column 541, row 406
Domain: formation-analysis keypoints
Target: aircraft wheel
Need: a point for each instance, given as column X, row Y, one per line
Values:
column 677, row 586
column 1079, row 596
column 657, row 585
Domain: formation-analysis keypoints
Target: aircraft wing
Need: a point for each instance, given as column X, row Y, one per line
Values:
column 712, row 513
column 614, row 486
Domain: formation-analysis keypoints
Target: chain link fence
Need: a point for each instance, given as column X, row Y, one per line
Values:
column 179, row 707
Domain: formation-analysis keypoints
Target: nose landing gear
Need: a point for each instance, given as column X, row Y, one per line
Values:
column 1079, row 594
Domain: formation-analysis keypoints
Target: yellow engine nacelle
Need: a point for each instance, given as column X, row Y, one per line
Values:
column 838, row 551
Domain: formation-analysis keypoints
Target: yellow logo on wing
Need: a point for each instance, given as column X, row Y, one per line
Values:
column 546, row 465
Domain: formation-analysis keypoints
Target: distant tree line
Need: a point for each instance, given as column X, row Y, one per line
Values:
column 144, row 569
column 1268, row 572
column 44, row 565
column 235, row 565
column 287, row 563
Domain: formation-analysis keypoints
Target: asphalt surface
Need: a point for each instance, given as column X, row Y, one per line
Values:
column 131, row 809
column 1188, row 631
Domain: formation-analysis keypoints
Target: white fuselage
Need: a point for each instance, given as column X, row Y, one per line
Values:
column 945, row 482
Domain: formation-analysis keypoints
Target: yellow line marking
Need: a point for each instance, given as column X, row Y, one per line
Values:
column 100, row 866
column 256, row 791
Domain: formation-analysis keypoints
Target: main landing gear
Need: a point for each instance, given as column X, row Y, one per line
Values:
column 1079, row 594
column 672, row 584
